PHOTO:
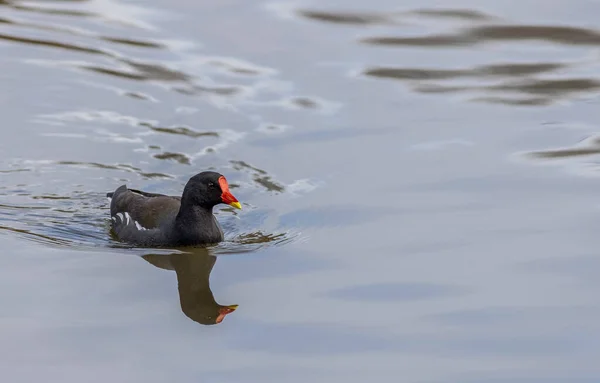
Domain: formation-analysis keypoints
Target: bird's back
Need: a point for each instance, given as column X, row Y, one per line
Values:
column 150, row 210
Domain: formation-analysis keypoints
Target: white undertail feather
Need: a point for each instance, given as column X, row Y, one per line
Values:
column 123, row 216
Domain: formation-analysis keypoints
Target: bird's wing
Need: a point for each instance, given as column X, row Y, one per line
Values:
column 147, row 210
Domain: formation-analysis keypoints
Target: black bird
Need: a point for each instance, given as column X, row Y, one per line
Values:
column 148, row 219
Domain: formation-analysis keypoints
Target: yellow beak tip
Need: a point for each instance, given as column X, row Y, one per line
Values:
column 236, row 205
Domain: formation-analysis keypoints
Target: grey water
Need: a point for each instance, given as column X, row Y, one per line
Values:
column 419, row 181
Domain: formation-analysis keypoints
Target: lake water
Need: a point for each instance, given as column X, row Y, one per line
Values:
column 420, row 189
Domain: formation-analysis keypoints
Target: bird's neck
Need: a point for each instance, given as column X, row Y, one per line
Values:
column 191, row 216
column 196, row 224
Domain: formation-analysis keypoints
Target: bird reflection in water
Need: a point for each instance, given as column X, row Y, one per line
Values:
column 193, row 273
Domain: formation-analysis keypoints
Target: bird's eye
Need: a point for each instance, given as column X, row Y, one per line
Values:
column 211, row 185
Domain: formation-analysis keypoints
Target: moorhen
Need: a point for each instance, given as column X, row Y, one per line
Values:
column 148, row 219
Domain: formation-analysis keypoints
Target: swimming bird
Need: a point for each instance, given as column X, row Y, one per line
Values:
column 156, row 220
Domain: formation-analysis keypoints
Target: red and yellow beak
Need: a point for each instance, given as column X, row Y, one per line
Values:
column 224, row 310
column 226, row 195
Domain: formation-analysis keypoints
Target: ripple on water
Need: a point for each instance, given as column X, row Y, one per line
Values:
column 516, row 83
column 122, row 167
column 391, row 18
column 109, row 11
column 519, row 82
column 134, row 42
column 259, row 176
column 269, row 128
column 178, row 157
column 53, row 44
column 496, row 33
column 520, row 79
column 101, row 116
column 138, row 96
column 140, row 43
column 459, row 14
column 181, row 76
column 61, row 220
column 582, row 158
column 589, row 146
column 490, row 71
column 179, row 130
column 81, row 220
column 351, row 18
column 309, row 103
column 237, row 67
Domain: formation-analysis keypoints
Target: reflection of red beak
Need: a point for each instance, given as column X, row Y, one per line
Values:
column 226, row 195
column 224, row 310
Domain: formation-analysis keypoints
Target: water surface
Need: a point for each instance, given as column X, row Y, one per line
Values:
column 419, row 185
